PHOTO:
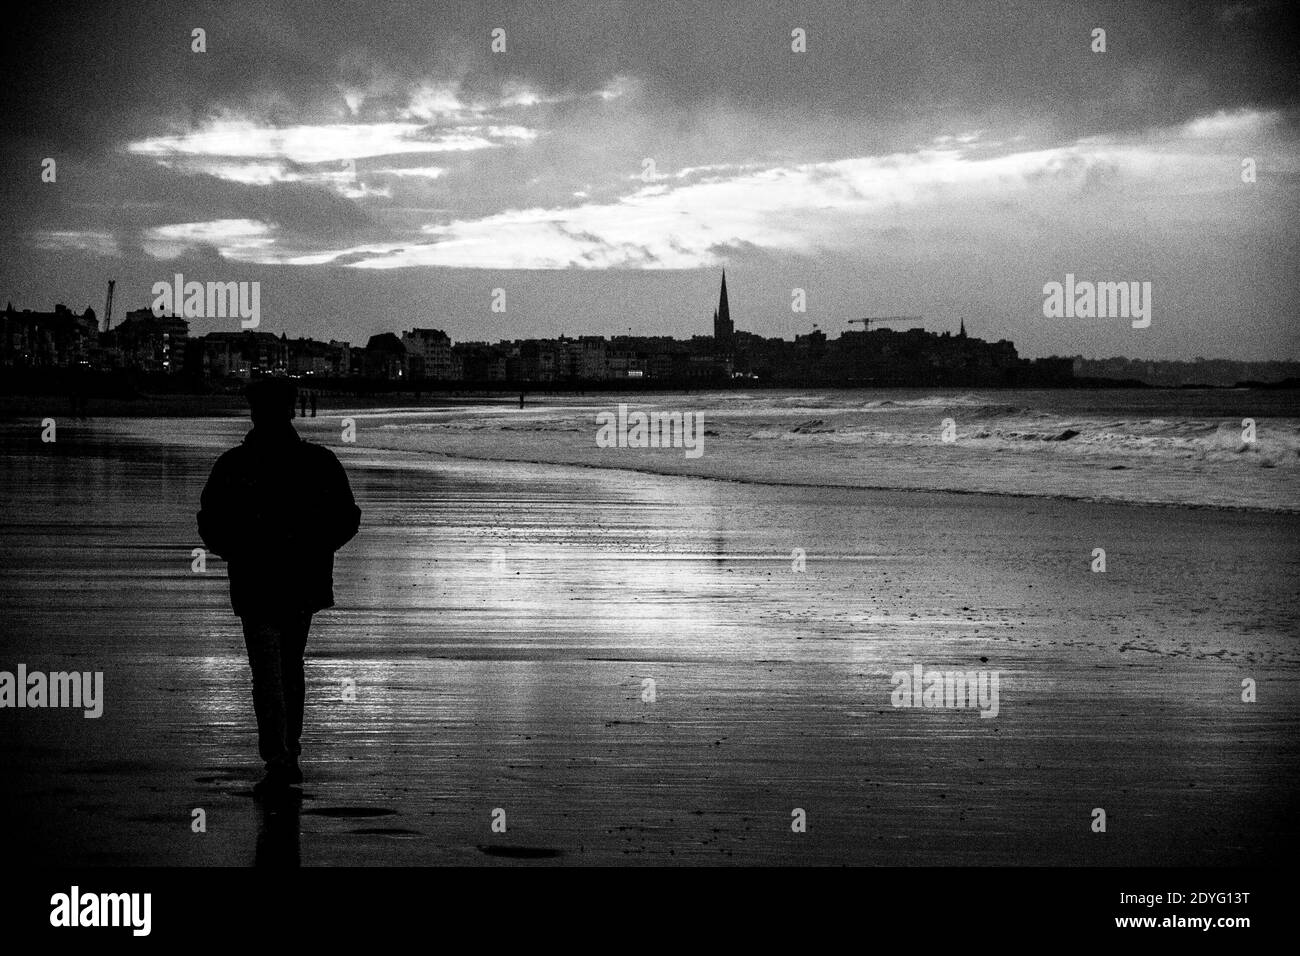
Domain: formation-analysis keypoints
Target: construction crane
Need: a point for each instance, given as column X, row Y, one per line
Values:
column 108, row 304
column 866, row 323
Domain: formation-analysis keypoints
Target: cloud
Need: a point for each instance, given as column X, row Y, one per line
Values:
column 430, row 119
column 689, row 220
column 221, row 140
column 423, row 172
column 1239, row 124
column 236, row 239
column 96, row 242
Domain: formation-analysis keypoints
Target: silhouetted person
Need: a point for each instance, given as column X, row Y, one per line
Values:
column 276, row 508
column 302, row 406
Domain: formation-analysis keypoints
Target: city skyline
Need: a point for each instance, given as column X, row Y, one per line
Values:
column 157, row 341
column 932, row 160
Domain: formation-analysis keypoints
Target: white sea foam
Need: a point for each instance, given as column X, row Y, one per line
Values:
column 1140, row 446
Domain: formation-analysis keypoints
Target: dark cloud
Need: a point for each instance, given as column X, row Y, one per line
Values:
column 86, row 76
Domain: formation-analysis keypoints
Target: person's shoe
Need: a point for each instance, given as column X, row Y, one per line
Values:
column 277, row 780
column 294, row 774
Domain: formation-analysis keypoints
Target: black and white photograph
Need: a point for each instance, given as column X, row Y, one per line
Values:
column 750, row 436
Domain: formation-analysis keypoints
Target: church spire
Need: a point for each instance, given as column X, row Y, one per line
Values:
column 723, row 329
column 962, row 333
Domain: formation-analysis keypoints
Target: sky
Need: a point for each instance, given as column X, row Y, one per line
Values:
column 379, row 166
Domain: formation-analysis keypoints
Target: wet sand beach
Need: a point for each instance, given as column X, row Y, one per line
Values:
column 499, row 621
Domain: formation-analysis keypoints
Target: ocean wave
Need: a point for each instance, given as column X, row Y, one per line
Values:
column 1136, row 459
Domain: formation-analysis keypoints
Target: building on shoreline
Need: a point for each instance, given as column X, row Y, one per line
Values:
column 150, row 343
column 429, row 353
column 879, row 357
column 241, row 354
column 58, row 339
column 724, row 332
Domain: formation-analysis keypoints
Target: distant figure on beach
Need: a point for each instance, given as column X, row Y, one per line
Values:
column 302, row 406
column 276, row 508
column 313, row 404
column 521, row 399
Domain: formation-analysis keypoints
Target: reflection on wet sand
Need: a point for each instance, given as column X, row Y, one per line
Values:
column 277, row 831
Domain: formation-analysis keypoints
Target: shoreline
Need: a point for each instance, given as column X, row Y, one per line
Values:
column 221, row 404
column 1044, row 496
column 346, row 451
column 765, row 447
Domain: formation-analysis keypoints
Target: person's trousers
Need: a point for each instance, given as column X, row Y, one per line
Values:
column 275, row 653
